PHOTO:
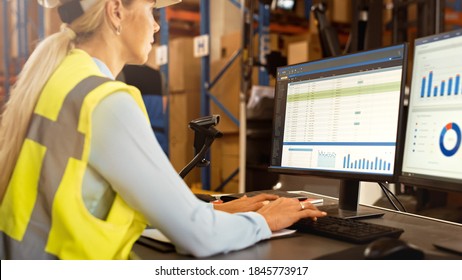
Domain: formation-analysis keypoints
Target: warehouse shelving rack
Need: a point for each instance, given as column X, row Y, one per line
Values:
column 19, row 25
column 262, row 20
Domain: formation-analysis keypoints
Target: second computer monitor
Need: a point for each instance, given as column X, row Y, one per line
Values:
column 433, row 154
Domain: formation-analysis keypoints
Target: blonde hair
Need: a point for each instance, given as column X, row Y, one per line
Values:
column 17, row 112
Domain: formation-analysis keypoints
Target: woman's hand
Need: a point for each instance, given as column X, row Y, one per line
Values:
column 246, row 204
column 284, row 212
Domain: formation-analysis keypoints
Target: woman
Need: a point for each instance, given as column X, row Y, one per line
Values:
column 82, row 172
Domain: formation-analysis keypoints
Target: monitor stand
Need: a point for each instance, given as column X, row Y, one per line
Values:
column 347, row 207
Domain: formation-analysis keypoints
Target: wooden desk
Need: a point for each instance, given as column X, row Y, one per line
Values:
column 418, row 230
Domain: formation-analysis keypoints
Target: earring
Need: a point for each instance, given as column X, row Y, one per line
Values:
column 118, row 30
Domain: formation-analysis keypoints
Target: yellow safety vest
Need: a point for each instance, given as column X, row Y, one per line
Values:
column 43, row 214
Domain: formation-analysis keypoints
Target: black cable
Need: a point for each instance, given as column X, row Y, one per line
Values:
column 388, row 193
column 396, row 198
column 388, row 196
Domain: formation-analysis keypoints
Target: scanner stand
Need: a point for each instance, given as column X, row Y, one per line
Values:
column 205, row 134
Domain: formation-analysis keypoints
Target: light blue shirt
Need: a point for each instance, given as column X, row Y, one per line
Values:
column 125, row 157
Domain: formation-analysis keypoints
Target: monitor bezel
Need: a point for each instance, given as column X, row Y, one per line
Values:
column 393, row 178
column 419, row 179
column 430, row 182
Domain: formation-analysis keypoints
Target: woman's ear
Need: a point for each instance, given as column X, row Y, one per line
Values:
column 114, row 13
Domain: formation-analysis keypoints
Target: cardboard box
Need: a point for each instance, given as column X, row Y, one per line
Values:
column 232, row 42
column 229, row 43
column 340, row 11
column 184, row 102
column 226, row 91
column 302, row 48
column 184, row 69
column 298, row 52
column 224, row 161
column 184, row 107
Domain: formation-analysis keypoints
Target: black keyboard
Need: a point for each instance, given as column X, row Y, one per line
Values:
column 280, row 193
column 349, row 230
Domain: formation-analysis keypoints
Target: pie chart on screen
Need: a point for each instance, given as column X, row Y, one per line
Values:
column 450, row 139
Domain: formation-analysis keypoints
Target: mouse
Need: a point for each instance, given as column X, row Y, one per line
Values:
column 388, row 248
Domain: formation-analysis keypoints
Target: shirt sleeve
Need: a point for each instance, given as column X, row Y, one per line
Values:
column 125, row 152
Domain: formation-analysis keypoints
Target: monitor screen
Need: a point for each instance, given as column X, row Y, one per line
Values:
column 341, row 117
column 433, row 154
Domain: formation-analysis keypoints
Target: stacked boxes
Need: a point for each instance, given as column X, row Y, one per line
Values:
column 184, row 100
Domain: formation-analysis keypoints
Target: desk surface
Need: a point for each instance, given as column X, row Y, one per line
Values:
column 418, row 230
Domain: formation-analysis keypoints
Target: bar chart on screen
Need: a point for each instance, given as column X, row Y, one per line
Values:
column 449, row 86
column 437, row 76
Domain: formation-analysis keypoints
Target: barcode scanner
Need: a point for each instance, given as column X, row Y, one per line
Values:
column 205, row 134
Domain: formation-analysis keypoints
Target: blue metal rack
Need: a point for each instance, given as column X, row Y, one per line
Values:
column 205, row 79
column 164, row 37
column 207, row 84
column 263, row 30
column 6, row 48
column 24, row 30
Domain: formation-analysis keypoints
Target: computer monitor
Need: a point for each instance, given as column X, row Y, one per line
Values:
column 341, row 117
column 432, row 151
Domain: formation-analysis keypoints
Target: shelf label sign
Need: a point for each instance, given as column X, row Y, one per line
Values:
column 201, row 45
column 162, row 55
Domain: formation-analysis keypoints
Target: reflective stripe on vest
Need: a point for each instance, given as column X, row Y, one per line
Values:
column 63, row 141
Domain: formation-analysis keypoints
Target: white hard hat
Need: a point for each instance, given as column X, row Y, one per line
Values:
column 165, row 3
column 54, row 3
column 48, row 3
column 69, row 10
